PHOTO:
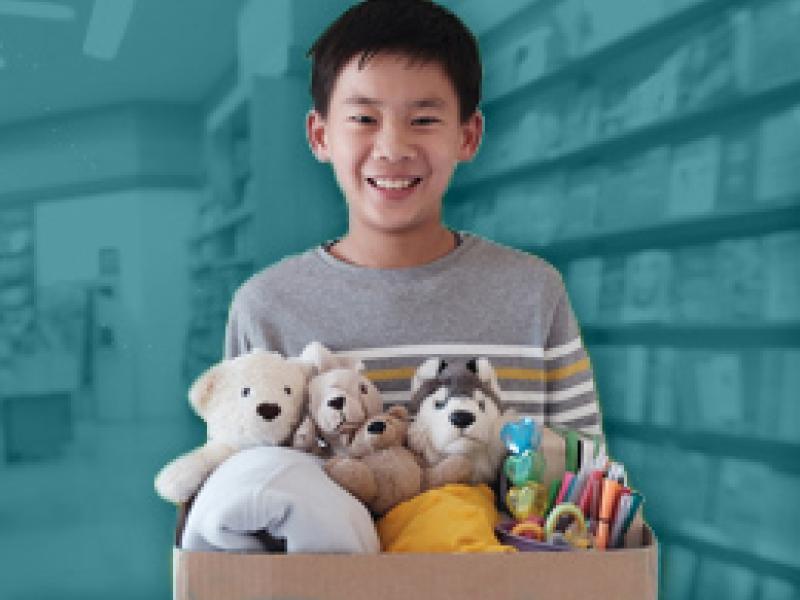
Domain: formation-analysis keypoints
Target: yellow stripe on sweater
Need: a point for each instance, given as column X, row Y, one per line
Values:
column 517, row 374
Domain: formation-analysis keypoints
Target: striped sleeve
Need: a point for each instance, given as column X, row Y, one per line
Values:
column 570, row 398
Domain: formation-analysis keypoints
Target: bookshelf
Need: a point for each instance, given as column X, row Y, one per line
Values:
column 262, row 181
column 649, row 150
column 17, row 287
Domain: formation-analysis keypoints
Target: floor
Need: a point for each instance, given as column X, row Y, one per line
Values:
column 86, row 523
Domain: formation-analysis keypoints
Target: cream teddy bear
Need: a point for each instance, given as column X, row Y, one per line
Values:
column 251, row 400
column 380, row 471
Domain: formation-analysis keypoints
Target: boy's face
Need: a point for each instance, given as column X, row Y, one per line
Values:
column 393, row 121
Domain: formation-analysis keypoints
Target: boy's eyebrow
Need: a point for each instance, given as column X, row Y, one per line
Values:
column 430, row 102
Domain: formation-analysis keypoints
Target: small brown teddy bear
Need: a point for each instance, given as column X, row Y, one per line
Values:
column 255, row 399
column 379, row 471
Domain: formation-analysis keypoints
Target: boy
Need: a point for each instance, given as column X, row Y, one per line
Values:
column 396, row 86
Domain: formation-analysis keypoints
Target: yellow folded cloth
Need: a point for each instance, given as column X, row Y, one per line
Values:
column 452, row 518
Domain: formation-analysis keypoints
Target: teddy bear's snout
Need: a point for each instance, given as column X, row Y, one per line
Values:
column 336, row 403
column 462, row 418
column 376, row 427
column 268, row 411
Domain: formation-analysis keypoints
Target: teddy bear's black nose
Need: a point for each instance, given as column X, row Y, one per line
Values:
column 462, row 418
column 376, row 427
column 337, row 402
column 268, row 411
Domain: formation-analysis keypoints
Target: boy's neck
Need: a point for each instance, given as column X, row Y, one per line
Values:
column 381, row 250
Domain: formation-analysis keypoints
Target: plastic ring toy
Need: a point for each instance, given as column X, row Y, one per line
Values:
column 566, row 508
column 535, row 529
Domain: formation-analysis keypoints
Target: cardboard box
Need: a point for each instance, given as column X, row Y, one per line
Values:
column 630, row 573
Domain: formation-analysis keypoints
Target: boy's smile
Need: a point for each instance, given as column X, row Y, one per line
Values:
column 394, row 138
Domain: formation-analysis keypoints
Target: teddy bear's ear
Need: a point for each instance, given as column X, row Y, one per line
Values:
column 401, row 412
column 319, row 356
column 203, row 388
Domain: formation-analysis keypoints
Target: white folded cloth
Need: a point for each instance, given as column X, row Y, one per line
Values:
column 282, row 492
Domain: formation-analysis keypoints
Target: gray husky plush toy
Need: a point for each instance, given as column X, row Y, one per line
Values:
column 456, row 432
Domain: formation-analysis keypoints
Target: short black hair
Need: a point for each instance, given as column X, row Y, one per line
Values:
column 421, row 30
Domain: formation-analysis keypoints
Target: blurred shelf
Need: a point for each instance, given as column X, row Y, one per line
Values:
column 232, row 218
column 614, row 50
column 697, row 335
column 779, row 454
column 214, row 265
column 234, row 101
column 697, row 122
column 675, row 233
column 709, row 540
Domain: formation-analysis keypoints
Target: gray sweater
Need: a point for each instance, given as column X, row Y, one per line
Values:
column 481, row 299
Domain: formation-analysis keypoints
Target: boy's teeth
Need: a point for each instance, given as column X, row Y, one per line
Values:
column 394, row 184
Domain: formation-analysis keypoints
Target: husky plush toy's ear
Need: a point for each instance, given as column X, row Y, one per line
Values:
column 485, row 372
column 428, row 370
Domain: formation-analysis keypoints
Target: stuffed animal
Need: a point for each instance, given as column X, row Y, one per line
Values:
column 340, row 400
column 456, row 433
column 380, row 471
column 251, row 400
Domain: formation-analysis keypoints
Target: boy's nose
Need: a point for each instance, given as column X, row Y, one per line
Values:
column 392, row 144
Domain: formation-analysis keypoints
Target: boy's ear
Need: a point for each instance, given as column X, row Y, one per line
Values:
column 316, row 134
column 471, row 136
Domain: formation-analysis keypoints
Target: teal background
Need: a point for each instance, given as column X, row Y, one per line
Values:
column 152, row 156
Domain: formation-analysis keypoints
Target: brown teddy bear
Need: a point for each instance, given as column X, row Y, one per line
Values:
column 255, row 399
column 379, row 470
column 340, row 399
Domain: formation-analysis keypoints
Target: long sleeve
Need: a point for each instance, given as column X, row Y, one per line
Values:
column 571, row 393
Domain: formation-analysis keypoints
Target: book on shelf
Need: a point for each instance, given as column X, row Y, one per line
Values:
column 614, row 192
column 612, row 288
column 602, row 23
column 777, row 588
column 695, row 295
column 782, row 302
column 648, row 280
column 717, row 578
column 778, row 535
column 529, row 211
column 720, row 396
column 608, row 365
column 584, row 278
column 694, row 177
column 655, row 96
column 737, row 168
column 636, row 384
column 581, row 199
column 778, row 414
column 776, row 43
column 678, row 569
column 779, row 155
column 647, row 176
column 737, row 479
column 581, row 124
column 740, row 277
column 662, row 397
column 709, row 71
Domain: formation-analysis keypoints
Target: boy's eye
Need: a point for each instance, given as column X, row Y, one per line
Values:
column 440, row 404
column 426, row 120
column 362, row 119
